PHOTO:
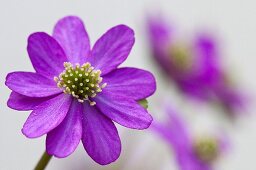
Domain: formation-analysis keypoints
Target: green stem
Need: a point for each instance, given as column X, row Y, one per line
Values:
column 43, row 161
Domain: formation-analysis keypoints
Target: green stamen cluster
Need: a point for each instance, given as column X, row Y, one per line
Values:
column 82, row 82
column 207, row 149
column 180, row 56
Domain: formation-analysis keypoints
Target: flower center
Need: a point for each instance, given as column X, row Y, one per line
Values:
column 82, row 82
column 207, row 149
column 180, row 57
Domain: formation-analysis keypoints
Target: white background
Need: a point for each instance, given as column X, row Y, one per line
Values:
column 233, row 20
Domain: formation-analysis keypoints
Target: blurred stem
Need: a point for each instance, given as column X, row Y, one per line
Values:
column 42, row 163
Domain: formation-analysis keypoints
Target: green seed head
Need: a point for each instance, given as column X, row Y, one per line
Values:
column 180, row 56
column 207, row 149
column 82, row 82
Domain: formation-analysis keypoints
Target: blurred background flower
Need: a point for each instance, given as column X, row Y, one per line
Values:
column 192, row 152
column 194, row 65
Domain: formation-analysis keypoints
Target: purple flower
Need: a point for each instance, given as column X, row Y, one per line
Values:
column 76, row 92
column 189, row 64
column 191, row 153
column 194, row 64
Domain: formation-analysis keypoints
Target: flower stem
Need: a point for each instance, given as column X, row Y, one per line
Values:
column 42, row 163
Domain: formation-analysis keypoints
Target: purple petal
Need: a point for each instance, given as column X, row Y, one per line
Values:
column 47, row 116
column 174, row 131
column 123, row 110
column 72, row 36
column 130, row 82
column 20, row 102
column 177, row 125
column 112, row 48
column 31, row 84
column 63, row 140
column 224, row 142
column 100, row 137
column 207, row 47
column 46, row 54
column 231, row 99
column 207, row 59
column 160, row 31
column 161, row 36
column 191, row 162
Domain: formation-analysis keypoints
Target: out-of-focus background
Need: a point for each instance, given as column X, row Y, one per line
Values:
column 233, row 21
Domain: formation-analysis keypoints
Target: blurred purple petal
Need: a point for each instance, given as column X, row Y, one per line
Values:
column 232, row 100
column 160, row 31
column 100, row 137
column 174, row 131
column 209, row 70
column 190, row 162
column 72, row 36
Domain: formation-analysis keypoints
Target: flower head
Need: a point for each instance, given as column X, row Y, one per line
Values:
column 191, row 152
column 77, row 92
column 193, row 64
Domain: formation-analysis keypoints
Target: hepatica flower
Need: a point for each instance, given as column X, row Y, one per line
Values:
column 183, row 62
column 193, row 64
column 77, row 92
column 191, row 152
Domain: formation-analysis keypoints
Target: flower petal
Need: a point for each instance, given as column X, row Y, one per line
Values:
column 20, row 102
column 46, row 54
column 63, row 140
column 72, row 36
column 174, row 131
column 161, row 35
column 31, row 84
column 47, row 116
column 112, row 48
column 123, row 110
column 100, row 137
column 160, row 31
column 130, row 82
